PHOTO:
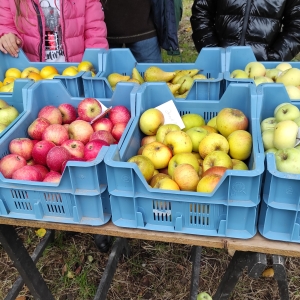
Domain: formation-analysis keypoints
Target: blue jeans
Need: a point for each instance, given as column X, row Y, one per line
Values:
column 146, row 51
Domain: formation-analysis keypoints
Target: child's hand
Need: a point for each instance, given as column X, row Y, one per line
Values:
column 9, row 43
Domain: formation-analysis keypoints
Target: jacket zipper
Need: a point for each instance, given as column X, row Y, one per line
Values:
column 40, row 24
column 245, row 25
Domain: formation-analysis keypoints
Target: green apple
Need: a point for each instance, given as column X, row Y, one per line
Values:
column 3, row 103
column 238, row 164
column 289, row 77
column 178, row 142
column 182, row 158
column 144, row 164
column 212, row 142
column 271, row 150
column 273, row 73
column 196, row 134
column 285, row 134
column 217, row 158
column 262, row 79
column 150, row 121
column 204, row 296
column 2, row 127
column 288, row 160
column 267, row 138
column 268, row 123
column 8, row 114
column 192, row 120
column 255, row 69
column 283, row 66
column 164, row 129
column 293, row 92
column 238, row 74
column 240, row 144
column 287, row 112
column 279, row 105
column 213, row 122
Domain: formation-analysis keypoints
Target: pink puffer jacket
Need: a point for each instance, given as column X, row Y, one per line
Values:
column 82, row 25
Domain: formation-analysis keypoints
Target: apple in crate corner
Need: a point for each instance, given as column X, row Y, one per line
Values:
column 186, row 177
column 158, row 177
column 10, row 163
column 68, row 112
column 40, row 151
column 8, row 114
column 119, row 114
column 92, row 148
column 255, row 69
column 75, row 148
column 88, row 109
column 103, row 124
column 215, row 170
column 56, row 133
column 80, row 130
column 37, row 127
column 56, row 156
column 51, row 113
column 150, row 120
column 118, row 130
column 167, row 184
column 144, row 164
column 103, row 135
column 21, row 146
column 43, row 170
column 208, row 183
column 27, row 173
column 288, row 160
column 53, row 177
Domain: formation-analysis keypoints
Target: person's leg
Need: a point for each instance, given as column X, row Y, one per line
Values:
column 146, row 51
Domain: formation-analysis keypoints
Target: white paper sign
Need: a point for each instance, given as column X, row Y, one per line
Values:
column 104, row 110
column 171, row 113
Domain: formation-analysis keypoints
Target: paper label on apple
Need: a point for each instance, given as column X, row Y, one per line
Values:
column 297, row 138
column 171, row 113
column 104, row 112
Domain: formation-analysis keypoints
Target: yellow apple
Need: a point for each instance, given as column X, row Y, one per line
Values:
column 167, row 184
column 268, row 123
column 28, row 70
column 289, row 77
column 164, row 129
column 158, row 177
column 144, row 164
column 196, row 134
column 209, row 128
column 238, row 165
column 70, row 71
column 255, row 69
column 158, row 153
column 148, row 139
column 215, row 170
column 285, row 134
column 2, row 127
column 192, row 120
column 51, row 76
column 85, row 66
column 208, row 183
column 273, row 73
column 240, row 144
column 1, row 84
column 186, row 177
column 213, row 122
column 284, row 66
column 179, row 142
column 238, row 74
column 262, row 79
column 7, row 88
column 267, row 138
column 217, row 158
column 8, row 80
column 293, row 92
column 13, row 72
column 34, row 76
column 212, row 142
column 183, row 158
column 150, row 120
column 47, row 71
column 140, row 150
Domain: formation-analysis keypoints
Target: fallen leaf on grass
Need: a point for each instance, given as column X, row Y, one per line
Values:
column 268, row 272
column 40, row 232
column 21, row 298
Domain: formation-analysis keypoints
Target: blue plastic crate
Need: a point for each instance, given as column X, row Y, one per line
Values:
column 237, row 57
column 231, row 210
column 17, row 99
column 281, row 224
column 73, row 84
column 210, row 60
column 81, row 196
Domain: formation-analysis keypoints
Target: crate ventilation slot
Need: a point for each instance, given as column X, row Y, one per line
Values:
column 21, row 201
column 209, row 115
column 184, row 112
column 162, row 211
column 54, row 203
column 199, row 214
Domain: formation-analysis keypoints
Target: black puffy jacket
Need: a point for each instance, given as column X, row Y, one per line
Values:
column 271, row 28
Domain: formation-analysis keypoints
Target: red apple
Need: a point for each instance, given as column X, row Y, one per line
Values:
column 52, row 176
column 27, row 173
column 92, row 148
column 51, row 113
column 56, row 133
column 21, row 146
column 80, row 130
column 10, row 163
column 71, row 159
column 118, row 130
column 40, row 151
column 103, row 124
column 208, row 183
column 43, row 170
column 75, row 148
column 66, row 126
column 37, row 127
column 68, row 112
column 119, row 114
column 103, row 135
column 56, row 156
column 88, row 109
column 215, row 170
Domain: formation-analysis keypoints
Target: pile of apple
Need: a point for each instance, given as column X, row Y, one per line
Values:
column 60, row 134
column 179, row 81
column 196, row 157
column 280, row 136
column 47, row 72
column 283, row 73
column 8, row 114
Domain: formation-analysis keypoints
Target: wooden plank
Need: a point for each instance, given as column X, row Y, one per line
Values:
column 256, row 244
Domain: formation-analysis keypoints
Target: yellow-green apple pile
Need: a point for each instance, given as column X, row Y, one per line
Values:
column 8, row 114
column 280, row 136
column 60, row 134
column 196, row 157
column 47, row 72
column 179, row 81
column 283, row 73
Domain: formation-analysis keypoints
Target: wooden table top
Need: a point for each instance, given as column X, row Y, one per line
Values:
column 256, row 244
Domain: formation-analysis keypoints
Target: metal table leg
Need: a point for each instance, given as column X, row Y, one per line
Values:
column 15, row 249
column 280, row 276
column 196, row 259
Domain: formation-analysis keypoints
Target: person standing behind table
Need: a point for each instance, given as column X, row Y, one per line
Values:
column 271, row 28
column 52, row 30
column 129, row 24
